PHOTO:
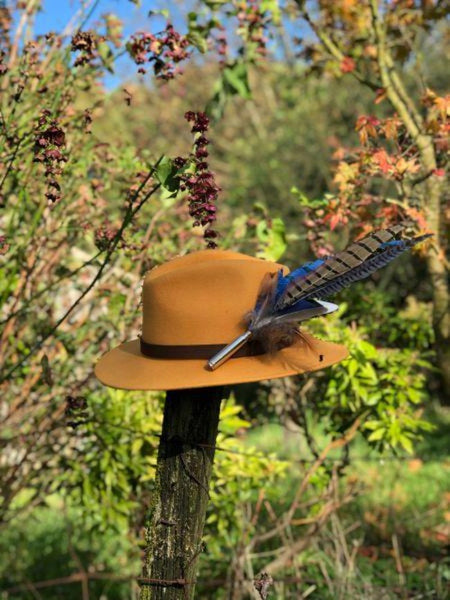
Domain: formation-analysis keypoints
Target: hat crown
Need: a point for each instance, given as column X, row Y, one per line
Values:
column 201, row 298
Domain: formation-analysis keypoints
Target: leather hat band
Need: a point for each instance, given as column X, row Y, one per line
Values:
column 196, row 351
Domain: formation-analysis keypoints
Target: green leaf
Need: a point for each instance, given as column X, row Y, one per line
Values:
column 232, row 424
column 273, row 7
column 369, row 351
column 198, row 40
column 371, row 425
column 378, row 434
column 136, row 445
column 233, row 82
column 272, row 236
column 215, row 107
column 162, row 12
column 352, row 367
column 116, row 303
column 166, row 173
column 235, row 78
column 406, row 443
column 230, row 410
column 197, row 34
column 303, row 200
column 215, row 4
column 368, row 372
column 106, row 56
column 415, row 396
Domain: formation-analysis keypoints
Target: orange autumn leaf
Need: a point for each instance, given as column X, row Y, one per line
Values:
column 334, row 221
column 382, row 160
column 442, row 104
column 428, row 97
column 407, row 166
column 389, row 214
column 390, row 127
column 367, row 127
column 380, row 95
column 345, row 174
column 419, row 217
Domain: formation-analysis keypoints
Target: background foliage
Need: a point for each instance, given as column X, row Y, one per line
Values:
column 326, row 119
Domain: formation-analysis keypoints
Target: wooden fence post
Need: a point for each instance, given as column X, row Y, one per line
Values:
column 176, row 520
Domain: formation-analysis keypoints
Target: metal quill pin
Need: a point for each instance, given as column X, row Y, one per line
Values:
column 228, row 351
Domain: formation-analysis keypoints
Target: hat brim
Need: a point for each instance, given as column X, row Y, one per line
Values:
column 126, row 368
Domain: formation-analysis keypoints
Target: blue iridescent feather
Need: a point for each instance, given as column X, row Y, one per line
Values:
column 286, row 300
column 332, row 274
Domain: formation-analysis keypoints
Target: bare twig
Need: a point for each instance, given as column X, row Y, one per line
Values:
column 131, row 212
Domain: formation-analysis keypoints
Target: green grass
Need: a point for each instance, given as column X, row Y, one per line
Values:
column 398, row 520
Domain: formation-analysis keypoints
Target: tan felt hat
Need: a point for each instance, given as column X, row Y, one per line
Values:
column 192, row 306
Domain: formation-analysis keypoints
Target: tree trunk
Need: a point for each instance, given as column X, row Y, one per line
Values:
column 416, row 126
column 175, row 524
column 437, row 269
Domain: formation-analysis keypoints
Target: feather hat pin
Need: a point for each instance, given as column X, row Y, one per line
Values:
column 284, row 301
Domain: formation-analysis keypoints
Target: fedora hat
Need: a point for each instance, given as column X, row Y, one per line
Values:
column 194, row 305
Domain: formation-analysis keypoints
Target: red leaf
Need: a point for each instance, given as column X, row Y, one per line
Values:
column 347, row 64
column 334, row 220
column 367, row 127
column 380, row 95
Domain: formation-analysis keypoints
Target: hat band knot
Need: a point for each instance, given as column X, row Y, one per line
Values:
column 196, row 351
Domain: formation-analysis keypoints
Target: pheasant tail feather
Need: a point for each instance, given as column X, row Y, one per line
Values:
column 356, row 262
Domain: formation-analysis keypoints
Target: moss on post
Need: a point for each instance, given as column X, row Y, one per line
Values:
column 175, row 524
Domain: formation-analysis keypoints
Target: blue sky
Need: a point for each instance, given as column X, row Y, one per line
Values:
column 56, row 14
